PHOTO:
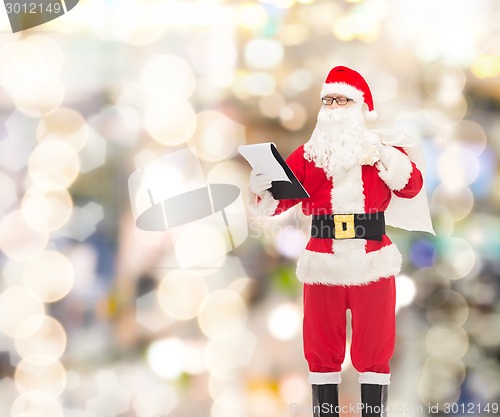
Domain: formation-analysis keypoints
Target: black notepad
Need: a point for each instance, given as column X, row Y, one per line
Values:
column 285, row 184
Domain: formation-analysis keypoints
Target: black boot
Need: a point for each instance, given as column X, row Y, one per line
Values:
column 374, row 400
column 325, row 399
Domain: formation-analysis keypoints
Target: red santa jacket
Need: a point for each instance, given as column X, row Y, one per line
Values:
column 359, row 189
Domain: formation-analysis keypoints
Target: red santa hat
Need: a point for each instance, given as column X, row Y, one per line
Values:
column 349, row 83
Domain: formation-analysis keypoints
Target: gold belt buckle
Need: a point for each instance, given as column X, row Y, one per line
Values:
column 344, row 226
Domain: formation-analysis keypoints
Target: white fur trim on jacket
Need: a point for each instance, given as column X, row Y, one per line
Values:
column 348, row 268
column 374, row 378
column 347, row 195
column 394, row 168
column 342, row 89
column 265, row 207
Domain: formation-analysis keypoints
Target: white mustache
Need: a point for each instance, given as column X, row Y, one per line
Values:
column 332, row 115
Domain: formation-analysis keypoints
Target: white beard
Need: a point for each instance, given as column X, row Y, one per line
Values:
column 339, row 139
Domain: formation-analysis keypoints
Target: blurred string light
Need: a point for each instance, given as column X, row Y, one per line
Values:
column 9, row 192
column 293, row 116
column 33, row 404
column 284, row 4
column 447, row 343
column 214, row 57
column 64, row 124
column 222, row 314
column 450, row 167
column 447, row 340
column 199, row 243
column 30, row 74
column 362, row 22
column 294, row 388
column 112, row 396
column 458, row 202
column 251, row 16
column 298, row 81
column 217, row 137
column 483, row 233
column 41, row 374
column 118, row 123
column 442, row 35
column 229, row 172
column 439, row 87
column 49, row 276
column 486, row 332
column 16, row 305
column 222, row 318
column 458, row 259
column 263, row 53
column 272, row 104
column 18, row 240
column 83, row 222
column 469, row 135
column 170, row 121
column 136, row 23
column 486, row 66
column 180, row 294
column 285, row 321
column 159, row 399
column 167, row 75
column 448, row 307
column 40, row 334
column 253, row 83
column 484, row 185
column 170, row 357
column 422, row 253
column 46, row 210
column 262, row 401
column 225, row 358
column 53, row 165
column 443, row 82
column 293, row 34
column 406, row 291
column 231, row 401
column 440, row 380
column 168, row 81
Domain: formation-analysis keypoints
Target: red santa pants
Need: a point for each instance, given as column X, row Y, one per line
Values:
column 373, row 330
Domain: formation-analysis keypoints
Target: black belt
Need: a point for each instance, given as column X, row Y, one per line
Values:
column 369, row 226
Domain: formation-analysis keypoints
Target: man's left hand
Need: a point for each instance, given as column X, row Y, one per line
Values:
column 371, row 156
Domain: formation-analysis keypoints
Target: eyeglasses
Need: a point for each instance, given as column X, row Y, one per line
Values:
column 341, row 101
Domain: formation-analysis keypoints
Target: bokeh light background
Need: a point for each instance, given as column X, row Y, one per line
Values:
column 96, row 320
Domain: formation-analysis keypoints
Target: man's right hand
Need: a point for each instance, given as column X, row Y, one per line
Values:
column 259, row 182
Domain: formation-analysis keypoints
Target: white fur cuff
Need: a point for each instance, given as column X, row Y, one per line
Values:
column 348, row 268
column 322, row 378
column 374, row 378
column 394, row 168
column 265, row 207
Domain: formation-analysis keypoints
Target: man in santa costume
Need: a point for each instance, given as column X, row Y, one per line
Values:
column 349, row 261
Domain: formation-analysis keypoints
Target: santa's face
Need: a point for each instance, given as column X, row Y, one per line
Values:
column 338, row 139
column 340, row 119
